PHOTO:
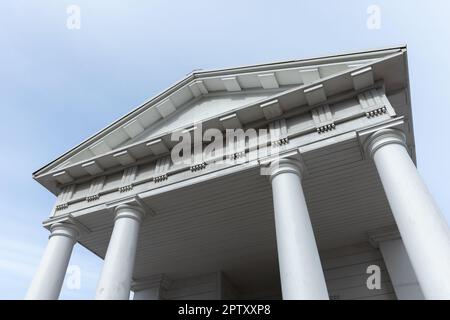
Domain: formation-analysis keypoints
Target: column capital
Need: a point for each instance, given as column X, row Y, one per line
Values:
column 65, row 229
column 285, row 165
column 133, row 211
column 383, row 137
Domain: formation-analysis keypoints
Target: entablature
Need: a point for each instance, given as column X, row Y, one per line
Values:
column 319, row 84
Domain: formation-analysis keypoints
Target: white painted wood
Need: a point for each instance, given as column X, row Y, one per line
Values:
column 345, row 272
column 287, row 74
column 210, row 286
column 198, row 88
column 323, row 118
column 66, row 193
column 362, row 78
column 300, row 268
column 400, row 270
column 423, row 229
column 124, row 157
column 309, row 75
column 148, row 294
column 268, row 81
column 152, row 288
column 205, row 286
column 100, row 147
column 231, row 121
column 92, row 167
column 63, row 177
column 231, row 84
column 165, row 107
column 95, row 188
column 213, row 219
column 157, row 147
column 115, row 279
column 271, row 109
column 133, row 128
column 48, row 280
column 315, row 94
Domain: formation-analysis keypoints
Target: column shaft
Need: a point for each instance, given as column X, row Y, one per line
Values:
column 300, row 268
column 115, row 279
column 423, row 229
column 400, row 270
column 49, row 278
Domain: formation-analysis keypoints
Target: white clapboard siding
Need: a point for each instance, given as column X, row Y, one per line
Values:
column 345, row 273
column 197, row 287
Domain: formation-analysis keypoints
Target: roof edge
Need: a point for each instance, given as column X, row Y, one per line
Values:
column 215, row 72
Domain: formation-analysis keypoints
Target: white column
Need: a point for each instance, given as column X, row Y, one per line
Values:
column 300, row 268
column 115, row 279
column 400, row 270
column 49, row 278
column 423, row 229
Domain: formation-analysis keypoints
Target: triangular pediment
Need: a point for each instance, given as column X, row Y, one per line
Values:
column 202, row 109
column 240, row 93
column 165, row 118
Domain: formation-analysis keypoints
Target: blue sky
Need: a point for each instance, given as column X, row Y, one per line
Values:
column 59, row 86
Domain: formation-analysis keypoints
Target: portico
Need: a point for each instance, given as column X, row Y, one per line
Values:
column 338, row 191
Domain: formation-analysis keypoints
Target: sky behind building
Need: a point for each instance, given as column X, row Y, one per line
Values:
column 59, row 85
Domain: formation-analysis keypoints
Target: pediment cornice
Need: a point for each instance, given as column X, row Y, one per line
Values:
column 280, row 103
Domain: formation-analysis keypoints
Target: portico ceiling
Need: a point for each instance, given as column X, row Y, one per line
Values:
column 227, row 223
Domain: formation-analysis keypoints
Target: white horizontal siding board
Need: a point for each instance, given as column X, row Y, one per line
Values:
column 351, row 270
column 362, row 292
column 200, row 296
column 381, row 296
column 336, row 253
column 196, row 287
column 354, row 281
column 351, row 259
